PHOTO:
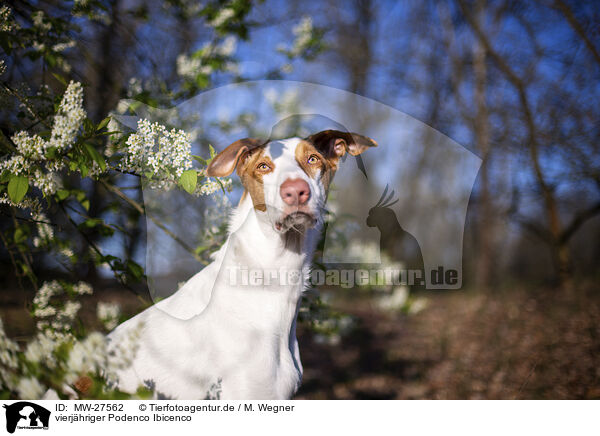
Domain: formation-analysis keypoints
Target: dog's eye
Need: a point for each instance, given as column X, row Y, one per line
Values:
column 263, row 167
column 313, row 159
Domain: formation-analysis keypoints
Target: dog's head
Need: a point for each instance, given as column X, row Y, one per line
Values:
column 288, row 179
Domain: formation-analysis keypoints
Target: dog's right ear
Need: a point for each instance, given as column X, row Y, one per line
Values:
column 335, row 143
column 225, row 163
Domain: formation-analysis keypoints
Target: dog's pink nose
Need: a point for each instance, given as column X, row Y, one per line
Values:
column 295, row 192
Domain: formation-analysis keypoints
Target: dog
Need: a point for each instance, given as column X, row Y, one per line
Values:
column 219, row 335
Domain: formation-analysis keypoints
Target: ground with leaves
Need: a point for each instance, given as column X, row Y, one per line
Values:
column 499, row 345
column 540, row 344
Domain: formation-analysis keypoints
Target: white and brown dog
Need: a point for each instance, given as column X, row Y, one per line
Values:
column 220, row 330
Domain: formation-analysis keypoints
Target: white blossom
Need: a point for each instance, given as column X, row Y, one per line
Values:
column 286, row 103
column 41, row 350
column 6, row 22
column 32, row 204
column 47, row 182
column 71, row 308
column 188, row 67
column 39, row 22
column 63, row 64
column 222, row 17
column 45, row 231
column 82, row 288
column 8, row 349
column 115, row 127
column 45, row 293
column 21, row 372
column 57, row 321
column 16, row 164
column 62, row 46
column 44, row 312
column 88, row 355
column 29, row 388
column 109, row 314
column 396, row 300
column 134, row 87
column 417, row 305
column 68, row 119
column 37, row 46
column 121, row 353
column 30, row 147
column 165, row 153
column 67, row 252
column 304, row 32
column 228, row 46
column 209, row 187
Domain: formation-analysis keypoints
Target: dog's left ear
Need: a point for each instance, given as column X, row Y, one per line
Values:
column 335, row 143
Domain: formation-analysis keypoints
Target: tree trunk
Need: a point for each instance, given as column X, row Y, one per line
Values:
column 484, row 225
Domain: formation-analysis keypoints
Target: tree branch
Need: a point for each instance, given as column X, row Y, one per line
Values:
column 577, row 26
column 578, row 221
column 519, row 85
column 99, row 252
column 137, row 206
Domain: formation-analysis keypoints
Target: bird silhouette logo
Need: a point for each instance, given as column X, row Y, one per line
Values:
column 398, row 244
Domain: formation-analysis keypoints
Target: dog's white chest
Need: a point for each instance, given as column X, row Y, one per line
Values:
column 215, row 339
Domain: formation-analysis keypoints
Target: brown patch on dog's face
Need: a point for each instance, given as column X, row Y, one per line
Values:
column 251, row 171
column 314, row 163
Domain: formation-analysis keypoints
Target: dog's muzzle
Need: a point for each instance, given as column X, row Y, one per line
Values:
column 296, row 221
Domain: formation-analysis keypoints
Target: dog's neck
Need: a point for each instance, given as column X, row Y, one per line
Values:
column 254, row 248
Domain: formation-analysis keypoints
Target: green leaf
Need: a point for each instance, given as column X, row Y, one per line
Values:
column 84, row 169
column 80, row 195
column 202, row 81
column 200, row 249
column 51, row 153
column 221, row 184
column 135, row 270
column 200, row 159
column 213, row 153
column 91, row 222
column 88, row 126
column 95, row 156
column 20, row 235
column 60, row 78
column 103, row 124
column 105, row 230
column 17, row 187
column 61, row 194
column 188, row 180
column 50, row 59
